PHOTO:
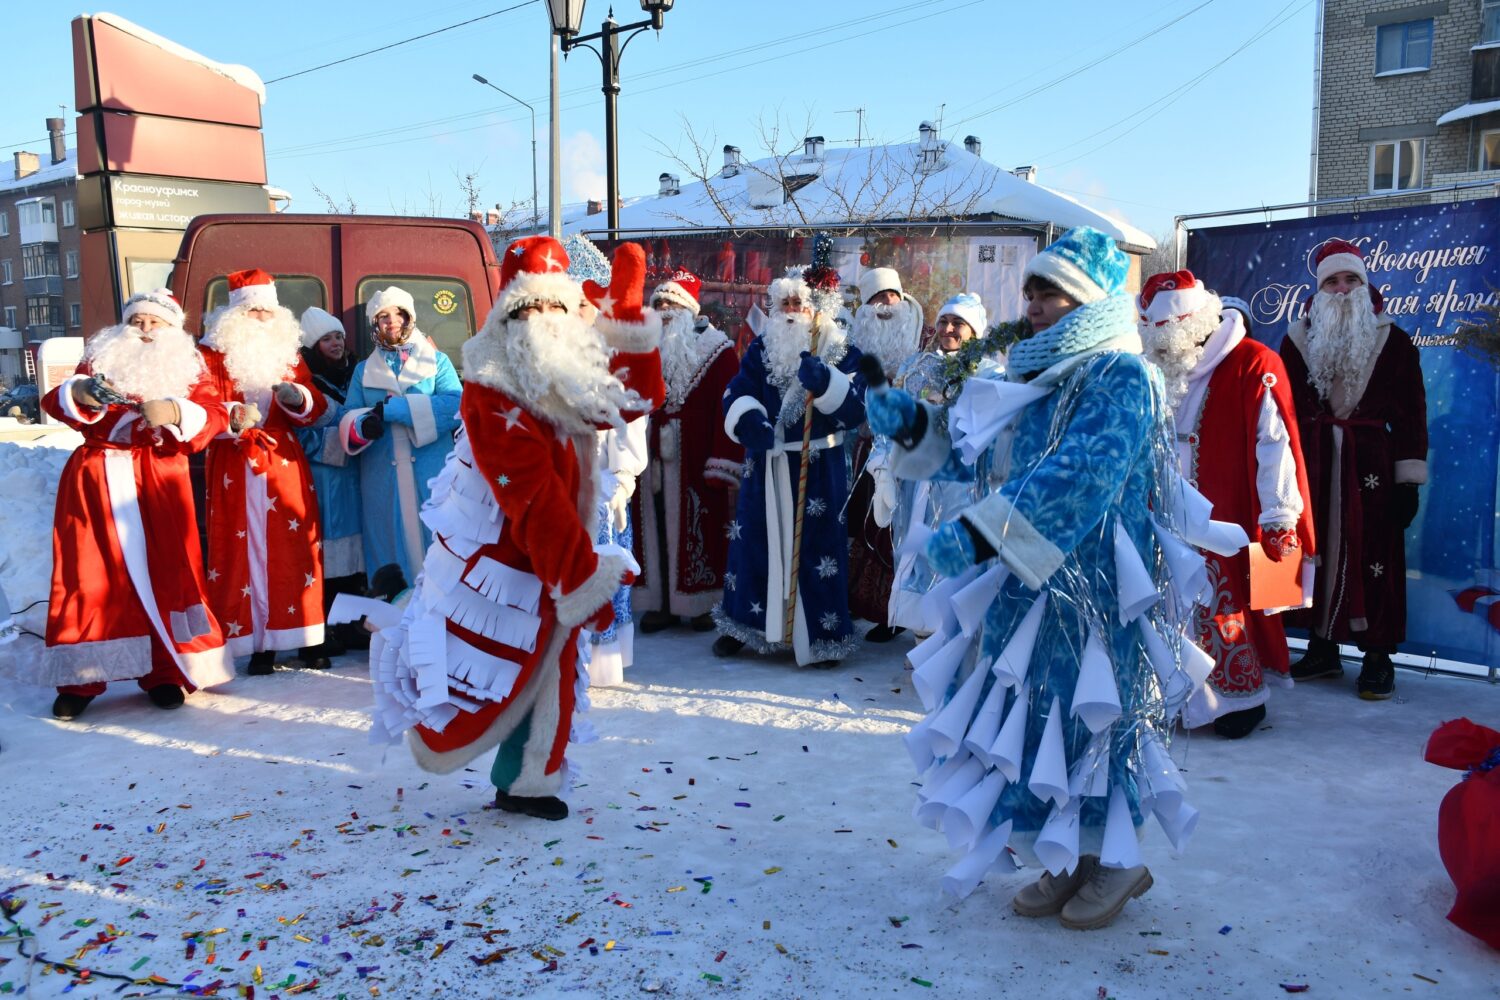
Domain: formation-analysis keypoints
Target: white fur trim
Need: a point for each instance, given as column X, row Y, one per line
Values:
column 307, row 402
column 191, row 419
column 348, row 423
column 1170, row 304
column 332, row 453
column 423, row 423
column 392, row 296
column 791, row 284
column 631, row 338
column 70, row 408
column 526, row 288
column 1065, row 275
column 723, row 470
column 1025, row 550
column 879, row 279
column 158, row 303
column 673, row 292
column 1334, row 263
column 738, row 409
column 254, row 297
column 833, row 397
column 579, row 605
column 1411, row 470
column 968, row 308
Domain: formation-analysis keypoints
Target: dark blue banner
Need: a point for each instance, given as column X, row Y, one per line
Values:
column 1435, row 265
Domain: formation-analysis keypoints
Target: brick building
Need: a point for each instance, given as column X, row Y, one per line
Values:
column 39, row 260
column 1407, row 96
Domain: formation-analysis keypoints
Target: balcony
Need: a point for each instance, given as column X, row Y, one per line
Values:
column 1484, row 85
column 46, row 284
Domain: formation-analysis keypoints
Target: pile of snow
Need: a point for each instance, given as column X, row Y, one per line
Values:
column 28, row 492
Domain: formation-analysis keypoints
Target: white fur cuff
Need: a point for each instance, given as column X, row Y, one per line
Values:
column 70, row 408
column 833, row 397
column 307, row 402
column 738, row 409
column 631, row 338
column 348, row 424
column 579, row 606
column 923, row 461
column 1029, row 554
column 723, row 470
column 1411, row 470
column 191, row 419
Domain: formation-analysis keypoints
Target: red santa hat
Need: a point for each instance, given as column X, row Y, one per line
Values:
column 682, row 289
column 535, row 269
column 158, row 303
column 1173, row 295
column 1340, row 255
column 398, row 298
column 252, row 289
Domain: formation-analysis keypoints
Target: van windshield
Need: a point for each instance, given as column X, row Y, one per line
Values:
column 295, row 291
column 445, row 310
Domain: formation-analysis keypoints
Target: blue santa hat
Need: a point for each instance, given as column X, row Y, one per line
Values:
column 1084, row 263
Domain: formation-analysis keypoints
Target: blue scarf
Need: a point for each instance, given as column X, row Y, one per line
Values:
column 1084, row 328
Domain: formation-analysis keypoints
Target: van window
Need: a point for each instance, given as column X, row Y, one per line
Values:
column 295, row 291
column 445, row 310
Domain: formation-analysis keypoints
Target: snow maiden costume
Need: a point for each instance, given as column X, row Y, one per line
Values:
column 335, row 479
column 486, row 653
column 1052, row 685
column 764, row 410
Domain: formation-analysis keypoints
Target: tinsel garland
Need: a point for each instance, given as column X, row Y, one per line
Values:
column 964, row 362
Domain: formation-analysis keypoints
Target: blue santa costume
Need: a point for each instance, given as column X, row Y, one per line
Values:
column 1052, row 685
column 764, row 408
column 418, row 392
column 335, row 478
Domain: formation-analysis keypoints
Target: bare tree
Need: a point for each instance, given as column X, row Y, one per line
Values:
column 334, row 208
column 1161, row 260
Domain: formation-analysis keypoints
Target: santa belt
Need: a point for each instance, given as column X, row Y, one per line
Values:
column 816, row 444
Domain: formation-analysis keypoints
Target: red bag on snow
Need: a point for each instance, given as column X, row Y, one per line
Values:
column 1469, row 824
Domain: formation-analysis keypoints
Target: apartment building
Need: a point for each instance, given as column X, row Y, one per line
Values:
column 39, row 241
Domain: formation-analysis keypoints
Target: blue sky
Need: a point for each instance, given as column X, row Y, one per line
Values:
column 1145, row 109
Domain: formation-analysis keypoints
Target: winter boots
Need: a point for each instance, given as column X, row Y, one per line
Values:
column 1377, row 679
column 1321, row 660
column 883, row 633
column 1238, row 725
column 542, row 807
column 68, row 707
column 727, row 645
column 165, row 696
column 655, row 621
column 1049, row 894
column 261, row 663
column 1088, row 898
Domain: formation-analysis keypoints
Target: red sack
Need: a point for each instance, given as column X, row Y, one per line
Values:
column 1469, row 824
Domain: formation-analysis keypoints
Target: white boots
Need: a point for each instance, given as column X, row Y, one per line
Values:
column 1088, row 898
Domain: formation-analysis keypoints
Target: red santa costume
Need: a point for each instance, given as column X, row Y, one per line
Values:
column 1357, row 382
column 682, row 514
column 265, row 568
column 127, row 597
column 486, row 653
column 1238, row 443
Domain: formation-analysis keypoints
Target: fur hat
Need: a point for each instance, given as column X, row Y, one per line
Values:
column 877, row 280
column 1084, row 263
column 253, row 289
column 535, row 269
column 400, row 298
column 317, row 323
column 158, row 303
column 790, row 284
column 1339, row 255
column 1173, row 295
column 682, row 289
column 968, row 307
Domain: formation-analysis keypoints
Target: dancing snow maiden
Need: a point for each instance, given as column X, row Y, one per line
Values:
column 1052, row 683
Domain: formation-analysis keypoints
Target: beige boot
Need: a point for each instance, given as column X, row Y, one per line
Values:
column 1100, row 899
column 1047, row 896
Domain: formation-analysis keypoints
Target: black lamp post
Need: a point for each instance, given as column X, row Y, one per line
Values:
column 567, row 17
column 536, row 218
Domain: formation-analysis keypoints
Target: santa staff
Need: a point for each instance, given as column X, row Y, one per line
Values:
column 127, row 599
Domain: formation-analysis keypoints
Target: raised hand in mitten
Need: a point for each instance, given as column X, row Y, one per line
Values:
column 813, row 373
column 160, row 412
column 755, row 431
column 289, row 395
column 951, row 549
column 372, row 426
column 86, row 394
column 619, row 501
column 624, row 299
column 892, row 413
column 243, row 415
column 1278, row 541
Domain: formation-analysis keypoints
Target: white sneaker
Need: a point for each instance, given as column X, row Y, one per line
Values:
column 1047, row 896
column 1101, row 898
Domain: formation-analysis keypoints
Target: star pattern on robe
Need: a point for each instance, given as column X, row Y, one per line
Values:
column 730, row 581
column 285, row 462
column 732, row 530
column 291, row 609
column 511, row 417
column 309, row 580
column 272, row 504
column 829, row 621
column 756, row 609
column 502, row 480
column 1377, row 570
column 827, row 566
column 294, row 524
column 239, row 534
column 213, row 574
column 817, row 506
column 227, row 481
column 1372, row 481
column 233, row 628
column 245, row 590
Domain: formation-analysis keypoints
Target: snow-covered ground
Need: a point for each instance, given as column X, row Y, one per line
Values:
column 741, row 826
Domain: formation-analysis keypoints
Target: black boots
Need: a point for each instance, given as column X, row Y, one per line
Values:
column 542, row 807
column 883, row 633
column 1321, row 660
column 1238, row 725
column 165, row 696
column 727, row 645
column 655, row 621
column 1377, row 679
column 68, row 707
column 261, row 663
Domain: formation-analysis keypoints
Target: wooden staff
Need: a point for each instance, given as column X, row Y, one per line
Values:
column 807, row 420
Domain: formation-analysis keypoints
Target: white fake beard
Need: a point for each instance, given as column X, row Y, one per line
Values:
column 1342, row 331
column 167, row 366
column 557, row 366
column 888, row 332
column 257, row 354
column 786, row 337
column 679, row 351
column 1176, row 347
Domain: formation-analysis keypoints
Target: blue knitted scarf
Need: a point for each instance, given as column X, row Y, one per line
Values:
column 1084, row 328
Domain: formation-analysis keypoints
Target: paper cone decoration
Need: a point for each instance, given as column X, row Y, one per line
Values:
column 919, row 745
column 1196, row 662
column 932, row 678
column 1121, row 848
column 983, row 410
column 1178, row 826
column 915, row 542
column 938, row 774
column 1203, row 706
column 1160, row 782
column 1189, row 574
column 1096, row 699
column 952, row 722
column 990, row 852
column 969, row 773
column 1090, row 777
column 970, row 815
column 937, row 606
column 1136, row 588
column 924, row 650
column 1194, row 522
column 1049, row 772
column 1175, row 685
column 1010, row 743
column 1057, row 845
column 970, row 604
column 986, row 724
column 1010, row 666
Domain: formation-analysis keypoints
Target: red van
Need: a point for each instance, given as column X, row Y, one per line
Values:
column 338, row 262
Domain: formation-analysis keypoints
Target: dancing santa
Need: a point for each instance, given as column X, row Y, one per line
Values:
column 764, row 410
column 486, row 654
column 683, row 511
column 887, row 327
column 127, row 598
column 1362, row 410
column 265, row 567
column 1237, row 442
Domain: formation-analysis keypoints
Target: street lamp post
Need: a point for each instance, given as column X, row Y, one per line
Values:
column 567, row 17
column 536, row 219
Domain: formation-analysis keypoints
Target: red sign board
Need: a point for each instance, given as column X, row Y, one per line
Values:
column 169, row 147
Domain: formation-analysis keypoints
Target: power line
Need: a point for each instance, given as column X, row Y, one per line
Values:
column 404, row 41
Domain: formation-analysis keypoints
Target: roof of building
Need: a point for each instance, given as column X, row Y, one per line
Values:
column 49, row 173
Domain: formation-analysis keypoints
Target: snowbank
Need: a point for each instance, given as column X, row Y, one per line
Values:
column 29, row 473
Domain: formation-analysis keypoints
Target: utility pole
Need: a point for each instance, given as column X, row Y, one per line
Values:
column 554, row 161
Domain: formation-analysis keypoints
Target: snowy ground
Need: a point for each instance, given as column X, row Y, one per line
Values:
column 741, row 826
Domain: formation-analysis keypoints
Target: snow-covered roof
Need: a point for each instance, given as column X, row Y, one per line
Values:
column 48, row 173
column 242, row 75
column 866, row 183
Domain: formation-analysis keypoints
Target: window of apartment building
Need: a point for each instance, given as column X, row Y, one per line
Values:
column 75, row 315
column 1396, row 166
column 6, row 277
column 10, row 317
column 4, row 222
column 68, row 218
column 41, row 211
column 43, row 310
column 1404, row 46
column 1489, row 28
column 1489, row 149
column 70, row 264
column 39, row 260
